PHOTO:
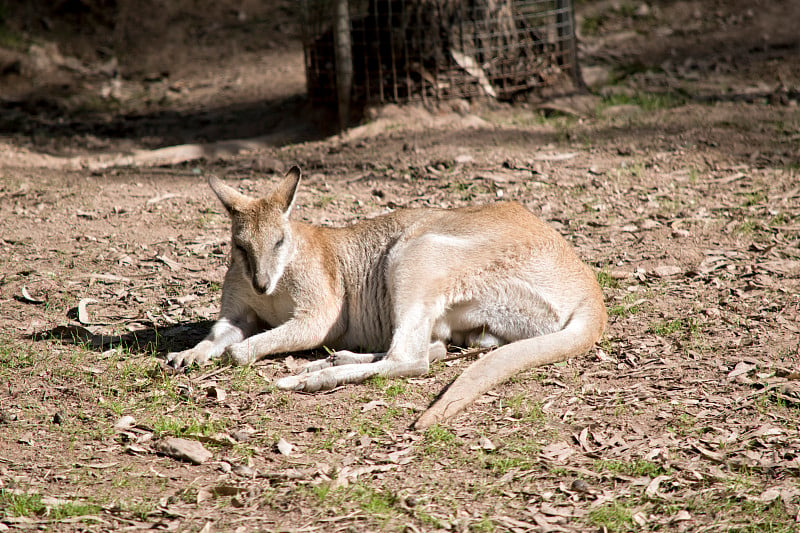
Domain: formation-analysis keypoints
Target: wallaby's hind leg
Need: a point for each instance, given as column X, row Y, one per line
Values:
column 436, row 350
column 408, row 356
column 339, row 358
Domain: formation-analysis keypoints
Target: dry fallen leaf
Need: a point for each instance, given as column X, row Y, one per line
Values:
column 741, row 368
column 665, row 271
column 216, row 393
column 171, row 264
column 27, row 298
column 284, row 446
column 349, row 475
column 161, row 198
column 83, row 314
column 486, row 444
column 125, row 422
column 374, row 404
column 652, row 490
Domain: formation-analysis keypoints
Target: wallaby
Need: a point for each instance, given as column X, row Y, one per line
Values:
column 402, row 286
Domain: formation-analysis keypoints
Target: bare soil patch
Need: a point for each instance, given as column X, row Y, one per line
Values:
column 678, row 183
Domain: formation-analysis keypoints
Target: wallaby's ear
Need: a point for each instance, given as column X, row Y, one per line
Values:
column 286, row 190
column 232, row 199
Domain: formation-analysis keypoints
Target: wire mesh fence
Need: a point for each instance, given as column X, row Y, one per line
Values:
column 415, row 50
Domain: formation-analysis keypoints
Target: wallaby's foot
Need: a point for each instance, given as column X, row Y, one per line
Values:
column 309, row 381
column 187, row 357
column 437, row 351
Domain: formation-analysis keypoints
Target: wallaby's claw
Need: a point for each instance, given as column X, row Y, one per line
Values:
column 185, row 358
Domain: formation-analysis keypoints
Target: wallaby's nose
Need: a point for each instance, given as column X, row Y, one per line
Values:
column 260, row 286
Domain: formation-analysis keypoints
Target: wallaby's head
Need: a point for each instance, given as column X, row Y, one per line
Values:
column 262, row 241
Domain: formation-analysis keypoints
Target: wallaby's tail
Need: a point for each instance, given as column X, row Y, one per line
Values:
column 577, row 337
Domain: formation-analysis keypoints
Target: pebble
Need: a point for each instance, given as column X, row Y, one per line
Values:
column 579, row 485
column 183, row 449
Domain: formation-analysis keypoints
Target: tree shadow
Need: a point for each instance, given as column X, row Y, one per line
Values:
column 285, row 120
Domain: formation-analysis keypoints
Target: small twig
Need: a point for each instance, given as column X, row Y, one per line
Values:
column 210, row 374
column 467, row 353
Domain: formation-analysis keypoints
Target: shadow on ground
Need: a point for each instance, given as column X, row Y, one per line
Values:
column 290, row 118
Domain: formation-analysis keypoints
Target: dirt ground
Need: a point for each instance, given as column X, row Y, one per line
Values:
column 677, row 179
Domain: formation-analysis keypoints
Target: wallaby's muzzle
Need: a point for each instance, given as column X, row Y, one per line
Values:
column 259, row 286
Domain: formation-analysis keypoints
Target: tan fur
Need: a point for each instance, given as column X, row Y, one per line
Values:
column 400, row 286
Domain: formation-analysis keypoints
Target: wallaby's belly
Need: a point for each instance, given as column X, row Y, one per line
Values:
column 369, row 324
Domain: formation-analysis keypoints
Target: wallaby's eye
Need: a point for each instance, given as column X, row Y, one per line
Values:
column 279, row 242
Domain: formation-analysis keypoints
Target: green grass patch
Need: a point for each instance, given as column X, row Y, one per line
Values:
column 746, row 228
column 606, row 280
column 395, row 390
column 613, row 516
column 622, row 311
column 380, row 506
column 525, row 409
column 437, row 439
column 378, row 382
column 626, row 308
column 376, row 503
column 246, row 379
column 512, row 456
column 376, row 427
column 324, row 201
column 754, row 198
column 14, row 356
column 14, row 504
column 668, row 327
column 484, row 525
column 644, row 100
column 170, row 425
column 638, row 467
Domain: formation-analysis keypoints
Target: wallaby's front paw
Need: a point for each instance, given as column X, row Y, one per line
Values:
column 310, row 382
column 239, row 354
column 186, row 358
